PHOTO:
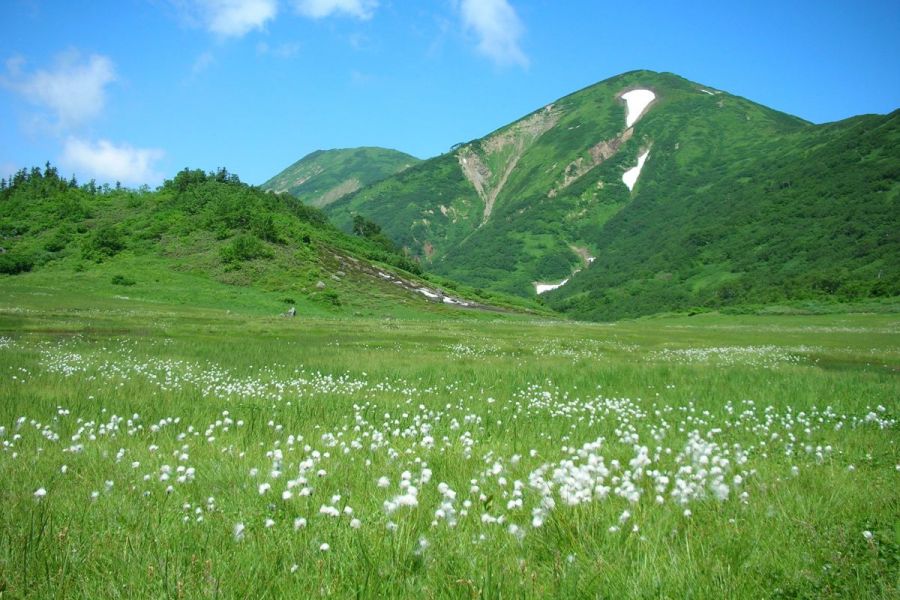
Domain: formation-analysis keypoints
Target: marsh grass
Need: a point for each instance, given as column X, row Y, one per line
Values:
column 536, row 389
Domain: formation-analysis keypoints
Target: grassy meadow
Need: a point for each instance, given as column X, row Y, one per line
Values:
column 148, row 449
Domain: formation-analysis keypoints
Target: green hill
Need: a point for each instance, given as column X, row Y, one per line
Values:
column 324, row 176
column 206, row 240
column 736, row 203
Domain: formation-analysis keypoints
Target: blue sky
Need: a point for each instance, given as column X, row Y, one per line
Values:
column 135, row 90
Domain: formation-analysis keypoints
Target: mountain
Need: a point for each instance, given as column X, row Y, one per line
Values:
column 320, row 178
column 648, row 192
column 206, row 239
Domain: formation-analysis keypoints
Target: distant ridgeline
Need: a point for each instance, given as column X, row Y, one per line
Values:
column 647, row 193
column 210, row 223
column 326, row 176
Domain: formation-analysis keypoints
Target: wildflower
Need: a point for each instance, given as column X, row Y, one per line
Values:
column 269, row 523
column 325, row 547
column 355, row 524
column 40, row 493
column 239, row 532
column 299, row 523
column 868, row 535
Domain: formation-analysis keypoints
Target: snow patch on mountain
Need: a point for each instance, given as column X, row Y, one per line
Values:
column 630, row 176
column 636, row 102
column 541, row 288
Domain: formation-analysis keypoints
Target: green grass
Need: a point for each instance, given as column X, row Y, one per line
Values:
column 462, row 395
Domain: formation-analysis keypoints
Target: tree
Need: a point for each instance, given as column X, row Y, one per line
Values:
column 363, row 227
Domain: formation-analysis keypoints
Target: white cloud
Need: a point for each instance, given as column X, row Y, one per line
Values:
column 317, row 9
column 235, row 18
column 73, row 90
column 498, row 28
column 109, row 162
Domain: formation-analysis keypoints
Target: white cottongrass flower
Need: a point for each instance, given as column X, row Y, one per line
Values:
column 238, row 532
column 40, row 493
column 868, row 535
column 383, row 482
column 324, row 547
column 269, row 523
column 355, row 524
column 299, row 523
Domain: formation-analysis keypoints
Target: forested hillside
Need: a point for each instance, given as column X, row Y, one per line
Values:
column 210, row 228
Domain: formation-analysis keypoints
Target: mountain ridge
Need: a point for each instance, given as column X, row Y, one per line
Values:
column 324, row 176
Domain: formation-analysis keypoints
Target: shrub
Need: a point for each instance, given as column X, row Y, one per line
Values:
column 104, row 242
column 244, row 247
column 13, row 264
column 122, row 280
column 329, row 297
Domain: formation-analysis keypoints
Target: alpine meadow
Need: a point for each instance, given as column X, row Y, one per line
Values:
column 639, row 342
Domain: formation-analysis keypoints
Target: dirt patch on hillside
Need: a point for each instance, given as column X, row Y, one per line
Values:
column 504, row 149
column 597, row 155
column 337, row 192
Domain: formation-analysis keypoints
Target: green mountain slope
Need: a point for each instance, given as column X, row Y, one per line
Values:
column 324, row 176
column 811, row 214
column 205, row 239
column 536, row 201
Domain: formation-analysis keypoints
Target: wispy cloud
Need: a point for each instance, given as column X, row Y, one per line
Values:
column 498, row 29
column 107, row 161
column 227, row 18
column 361, row 79
column 317, row 9
column 73, row 90
column 204, row 61
column 284, row 50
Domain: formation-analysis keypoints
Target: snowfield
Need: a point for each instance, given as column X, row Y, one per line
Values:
column 636, row 102
column 630, row 176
